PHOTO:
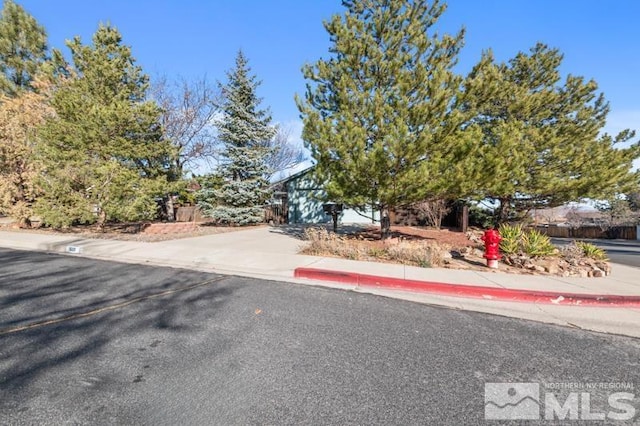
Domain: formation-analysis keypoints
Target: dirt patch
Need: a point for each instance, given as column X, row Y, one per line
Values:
column 444, row 236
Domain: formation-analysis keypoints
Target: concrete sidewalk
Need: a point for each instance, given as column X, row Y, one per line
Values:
column 271, row 253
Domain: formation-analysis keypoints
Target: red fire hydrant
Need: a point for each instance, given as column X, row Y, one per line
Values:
column 492, row 239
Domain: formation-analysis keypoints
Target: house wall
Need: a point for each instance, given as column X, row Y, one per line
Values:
column 304, row 199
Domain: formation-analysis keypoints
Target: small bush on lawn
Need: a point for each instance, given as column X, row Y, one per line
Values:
column 591, row 251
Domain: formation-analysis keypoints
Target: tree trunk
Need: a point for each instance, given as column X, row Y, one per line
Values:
column 24, row 223
column 503, row 211
column 171, row 217
column 102, row 220
column 385, row 223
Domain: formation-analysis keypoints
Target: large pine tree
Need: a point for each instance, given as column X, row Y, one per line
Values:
column 103, row 153
column 23, row 49
column 542, row 144
column 381, row 115
column 244, row 128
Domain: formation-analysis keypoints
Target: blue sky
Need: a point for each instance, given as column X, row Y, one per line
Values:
column 190, row 38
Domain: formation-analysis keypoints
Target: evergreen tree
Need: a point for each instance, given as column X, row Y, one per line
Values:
column 103, row 153
column 243, row 129
column 542, row 142
column 381, row 116
column 617, row 212
column 23, row 48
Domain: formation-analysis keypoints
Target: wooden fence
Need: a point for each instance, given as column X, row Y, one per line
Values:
column 594, row 232
column 275, row 213
column 189, row 214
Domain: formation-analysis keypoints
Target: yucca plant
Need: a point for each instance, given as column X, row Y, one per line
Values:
column 592, row 251
column 536, row 244
column 511, row 238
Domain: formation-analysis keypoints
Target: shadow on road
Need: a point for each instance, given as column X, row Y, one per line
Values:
column 60, row 287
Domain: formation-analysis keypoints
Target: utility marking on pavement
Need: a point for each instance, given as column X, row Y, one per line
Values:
column 107, row 308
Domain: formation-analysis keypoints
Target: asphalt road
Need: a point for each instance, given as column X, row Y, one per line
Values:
column 159, row 346
column 619, row 251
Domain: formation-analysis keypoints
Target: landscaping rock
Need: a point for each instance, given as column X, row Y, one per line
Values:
column 560, row 265
column 550, row 266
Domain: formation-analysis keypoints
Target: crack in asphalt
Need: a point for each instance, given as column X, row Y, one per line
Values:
column 113, row 307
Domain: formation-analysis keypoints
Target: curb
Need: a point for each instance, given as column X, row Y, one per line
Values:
column 470, row 291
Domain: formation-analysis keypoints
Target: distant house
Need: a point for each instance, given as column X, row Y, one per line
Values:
column 302, row 199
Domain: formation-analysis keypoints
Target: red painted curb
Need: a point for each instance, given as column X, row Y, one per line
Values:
column 472, row 291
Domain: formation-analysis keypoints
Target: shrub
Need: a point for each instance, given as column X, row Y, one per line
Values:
column 433, row 211
column 591, row 251
column 322, row 242
column 480, row 217
column 414, row 253
column 533, row 243
column 572, row 251
column 536, row 244
column 511, row 238
column 376, row 252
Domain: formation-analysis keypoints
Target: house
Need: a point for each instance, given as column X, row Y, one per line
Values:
column 302, row 200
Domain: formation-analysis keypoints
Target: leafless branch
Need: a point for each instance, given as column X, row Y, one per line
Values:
column 284, row 153
column 188, row 110
column 433, row 211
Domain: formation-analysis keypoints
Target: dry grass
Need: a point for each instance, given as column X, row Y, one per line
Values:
column 321, row 242
column 128, row 232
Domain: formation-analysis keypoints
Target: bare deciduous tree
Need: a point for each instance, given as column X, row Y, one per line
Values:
column 284, row 152
column 433, row 211
column 574, row 218
column 188, row 109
